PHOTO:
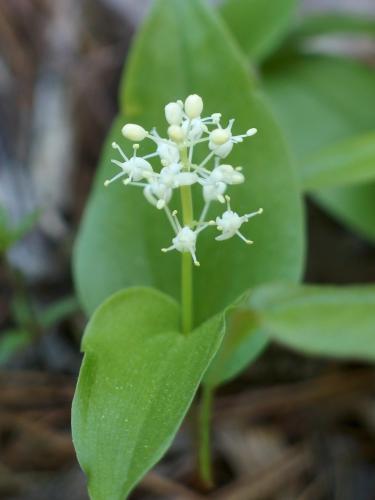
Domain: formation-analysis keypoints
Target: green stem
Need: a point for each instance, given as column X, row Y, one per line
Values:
column 204, row 457
column 186, row 293
column 204, row 451
column 186, row 261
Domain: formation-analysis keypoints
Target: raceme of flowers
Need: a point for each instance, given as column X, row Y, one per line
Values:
column 177, row 170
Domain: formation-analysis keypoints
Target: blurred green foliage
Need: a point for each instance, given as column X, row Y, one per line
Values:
column 324, row 103
column 326, row 320
column 259, row 25
column 9, row 235
column 29, row 323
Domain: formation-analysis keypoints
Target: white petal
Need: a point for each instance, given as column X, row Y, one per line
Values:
column 186, row 178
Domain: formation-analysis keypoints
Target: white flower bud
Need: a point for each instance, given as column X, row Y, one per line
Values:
column 134, row 132
column 176, row 134
column 173, row 113
column 220, row 136
column 193, row 106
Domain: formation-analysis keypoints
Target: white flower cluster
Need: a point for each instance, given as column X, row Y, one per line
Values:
column 186, row 130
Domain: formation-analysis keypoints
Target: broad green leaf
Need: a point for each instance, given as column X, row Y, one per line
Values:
column 351, row 161
column 311, row 97
column 242, row 344
column 137, row 381
column 353, row 206
column 183, row 48
column 322, row 101
column 258, row 25
column 323, row 320
column 333, row 23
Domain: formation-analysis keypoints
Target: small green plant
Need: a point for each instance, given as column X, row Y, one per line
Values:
column 20, row 333
column 27, row 322
column 160, row 327
column 9, row 234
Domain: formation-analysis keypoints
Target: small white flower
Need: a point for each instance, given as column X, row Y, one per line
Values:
column 194, row 129
column 186, row 238
column 221, row 140
column 230, row 222
column 135, row 168
column 138, row 169
column 184, row 241
column 215, row 184
column 220, row 136
column 160, row 188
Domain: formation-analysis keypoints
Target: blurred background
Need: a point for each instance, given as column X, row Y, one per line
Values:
column 289, row 428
